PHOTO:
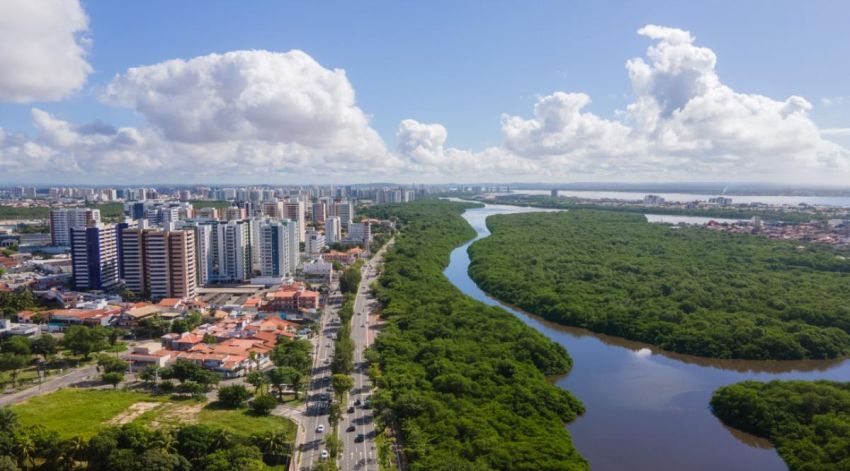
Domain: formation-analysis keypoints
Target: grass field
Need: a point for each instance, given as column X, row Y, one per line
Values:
column 72, row 412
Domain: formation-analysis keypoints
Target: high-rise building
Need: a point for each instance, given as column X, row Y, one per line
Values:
column 62, row 220
column 315, row 242
column 333, row 230
column 345, row 211
column 361, row 232
column 295, row 210
column 224, row 251
column 320, row 212
column 94, row 257
column 234, row 212
column 278, row 247
column 170, row 264
column 273, row 209
column 133, row 260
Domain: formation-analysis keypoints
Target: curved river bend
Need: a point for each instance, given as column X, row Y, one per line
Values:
column 647, row 409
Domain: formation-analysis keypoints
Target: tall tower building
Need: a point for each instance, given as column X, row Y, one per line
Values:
column 278, row 248
column 333, row 231
column 62, row 220
column 94, row 257
column 320, row 211
column 295, row 210
column 133, row 260
column 345, row 211
column 160, row 263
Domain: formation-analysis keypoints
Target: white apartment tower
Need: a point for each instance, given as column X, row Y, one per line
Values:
column 62, row 220
column 333, row 230
column 278, row 247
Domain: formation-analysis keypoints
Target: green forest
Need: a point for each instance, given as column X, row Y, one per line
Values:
column 462, row 382
column 684, row 289
column 542, row 201
column 807, row 421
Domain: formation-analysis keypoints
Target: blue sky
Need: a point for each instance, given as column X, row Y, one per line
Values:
column 465, row 64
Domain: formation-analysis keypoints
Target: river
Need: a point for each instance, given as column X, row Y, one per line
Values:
column 648, row 409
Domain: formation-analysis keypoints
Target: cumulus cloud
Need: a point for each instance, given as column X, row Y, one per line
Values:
column 250, row 113
column 683, row 121
column 42, row 49
column 262, row 114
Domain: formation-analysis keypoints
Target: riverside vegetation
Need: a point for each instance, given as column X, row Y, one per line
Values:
column 463, row 384
column 684, row 289
column 807, row 421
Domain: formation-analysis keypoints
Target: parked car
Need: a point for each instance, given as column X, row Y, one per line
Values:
column 357, row 402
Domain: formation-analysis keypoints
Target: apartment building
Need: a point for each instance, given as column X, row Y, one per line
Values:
column 344, row 210
column 224, row 251
column 315, row 242
column 279, row 247
column 319, row 212
column 296, row 211
column 360, row 232
column 160, row 263
column 333, row 230
column 94, row 257
column 62, row 220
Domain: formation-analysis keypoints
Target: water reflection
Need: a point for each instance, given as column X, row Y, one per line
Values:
column 648, row 408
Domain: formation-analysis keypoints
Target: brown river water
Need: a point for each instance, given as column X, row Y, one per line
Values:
column 647, row 409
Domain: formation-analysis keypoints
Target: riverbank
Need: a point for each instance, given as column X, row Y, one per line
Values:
column 651, row 405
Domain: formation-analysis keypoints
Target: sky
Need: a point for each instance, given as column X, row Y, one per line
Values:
column 100, row 92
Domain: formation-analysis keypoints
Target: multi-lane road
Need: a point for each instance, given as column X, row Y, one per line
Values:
column 358, row 445
column 318, row 390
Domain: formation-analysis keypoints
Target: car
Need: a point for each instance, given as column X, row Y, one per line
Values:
column 327, row 361
column 324, row 454
column 359, row 438
column 351, row 410
column 362, row 325
column 350, row 428
column 357, row 402
column 329, row 390
column 320, row 428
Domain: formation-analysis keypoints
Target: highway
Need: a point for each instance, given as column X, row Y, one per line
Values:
column 361, row 454
column 318, row 395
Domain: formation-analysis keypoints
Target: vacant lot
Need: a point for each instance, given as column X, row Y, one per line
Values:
column 82, row 412
column 79, row 412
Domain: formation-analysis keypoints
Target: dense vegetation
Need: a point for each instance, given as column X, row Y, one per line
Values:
column 726, row 213
column 809, row 422
column 684, row 289
column 463, row 383
column 133, row 446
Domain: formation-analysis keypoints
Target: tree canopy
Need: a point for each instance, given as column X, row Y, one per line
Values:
column 684, row 289
column 808, row 421
column 464, row 383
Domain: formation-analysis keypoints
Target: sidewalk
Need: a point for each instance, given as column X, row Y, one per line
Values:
column 54, row 383
column 296, row 415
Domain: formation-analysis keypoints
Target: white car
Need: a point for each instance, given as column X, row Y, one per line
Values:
column 320, row 428
column 324, row 454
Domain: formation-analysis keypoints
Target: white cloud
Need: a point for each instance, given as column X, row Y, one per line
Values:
column 244, row 113
column 42, row 49
column 683, row 122
column 263, row 115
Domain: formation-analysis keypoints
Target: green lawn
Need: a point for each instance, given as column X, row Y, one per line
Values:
column 72, row 412
column 244, row 422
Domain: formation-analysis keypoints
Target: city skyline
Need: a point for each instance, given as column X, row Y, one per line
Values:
column 281, row 108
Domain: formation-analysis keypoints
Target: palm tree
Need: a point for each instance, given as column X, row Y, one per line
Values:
column 165, row 441
column 68, row 454
column 8, row 420
column 25, row 451
column 222, row 439
column 275, row 446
